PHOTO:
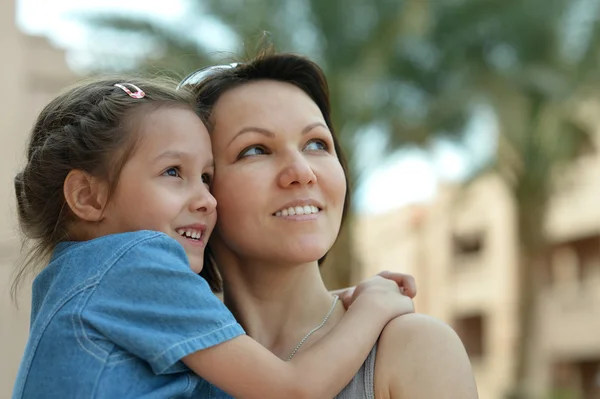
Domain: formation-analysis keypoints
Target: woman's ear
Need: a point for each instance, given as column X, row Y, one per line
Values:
column 85, row 195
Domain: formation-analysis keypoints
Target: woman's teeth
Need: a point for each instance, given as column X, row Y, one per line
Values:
column 190, row 233
column 298, row 210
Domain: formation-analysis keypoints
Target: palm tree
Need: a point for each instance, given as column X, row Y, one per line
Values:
column 514, row 56
column 334, row 32
column 417, row 68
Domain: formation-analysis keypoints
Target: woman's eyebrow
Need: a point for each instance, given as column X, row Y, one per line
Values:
column 249, row 129
column 268, row 133
column 312, row 126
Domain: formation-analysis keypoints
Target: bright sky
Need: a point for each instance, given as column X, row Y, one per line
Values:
column 54, row 18
column 409, row 177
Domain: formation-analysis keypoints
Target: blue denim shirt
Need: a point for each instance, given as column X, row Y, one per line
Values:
column 112, row 318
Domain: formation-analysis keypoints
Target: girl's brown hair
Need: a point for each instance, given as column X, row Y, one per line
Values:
column 283, row 67
column 91, row 127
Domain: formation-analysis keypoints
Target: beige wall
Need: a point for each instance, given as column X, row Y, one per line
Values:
column 450, row 286
column 458, row 285
column 417, row 240
column 32, row 73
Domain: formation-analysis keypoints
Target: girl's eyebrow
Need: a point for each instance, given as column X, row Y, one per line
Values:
column 173, row 154
column 176, row 155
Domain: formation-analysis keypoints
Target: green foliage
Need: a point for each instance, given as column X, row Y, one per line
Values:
column 417, row 68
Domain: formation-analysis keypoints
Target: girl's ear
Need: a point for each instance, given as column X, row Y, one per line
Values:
column 85, row 195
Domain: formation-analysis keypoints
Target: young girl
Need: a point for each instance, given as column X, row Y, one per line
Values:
column 116, row 192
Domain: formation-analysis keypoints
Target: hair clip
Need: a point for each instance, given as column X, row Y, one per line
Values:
column 202, row 74
column 139, row 93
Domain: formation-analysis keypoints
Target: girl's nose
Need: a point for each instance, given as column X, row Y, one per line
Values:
column 203, row 201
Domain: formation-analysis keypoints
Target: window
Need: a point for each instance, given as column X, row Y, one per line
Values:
column 577, row 259
column 468, row 244
column 471, row 330
column 576, row 379
column 588, row 255
column 590, row 378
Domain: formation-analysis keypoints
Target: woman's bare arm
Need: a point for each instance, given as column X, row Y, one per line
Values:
column 419, row 357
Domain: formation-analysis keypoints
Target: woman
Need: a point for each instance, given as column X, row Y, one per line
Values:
column 281, row 186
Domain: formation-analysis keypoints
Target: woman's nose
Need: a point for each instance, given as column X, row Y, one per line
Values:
column 297, row 171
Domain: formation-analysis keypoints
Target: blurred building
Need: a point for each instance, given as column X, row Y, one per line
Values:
column 462, row 249
column 32, row 72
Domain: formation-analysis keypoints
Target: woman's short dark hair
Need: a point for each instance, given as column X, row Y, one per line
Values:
column 283, row 67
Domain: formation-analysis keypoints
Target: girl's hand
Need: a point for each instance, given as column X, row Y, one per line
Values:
column 405, row 282
column 384, row 296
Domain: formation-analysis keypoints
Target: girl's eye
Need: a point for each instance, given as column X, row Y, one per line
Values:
column 173, row 171
column 207, row 178
column 252, row 151
column 316, row 145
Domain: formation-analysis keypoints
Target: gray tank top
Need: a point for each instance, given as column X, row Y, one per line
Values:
column 361, row 386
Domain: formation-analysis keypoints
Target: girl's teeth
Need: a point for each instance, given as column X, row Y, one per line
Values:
column 190, row 233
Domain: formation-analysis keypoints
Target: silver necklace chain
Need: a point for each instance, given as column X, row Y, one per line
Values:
column 317, row 328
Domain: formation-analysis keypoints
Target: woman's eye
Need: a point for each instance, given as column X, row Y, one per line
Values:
column 252, row 151
column 316, row 145
column 173, row 171
column 207, row 178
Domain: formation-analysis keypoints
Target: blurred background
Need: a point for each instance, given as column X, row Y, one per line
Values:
column 473, row 129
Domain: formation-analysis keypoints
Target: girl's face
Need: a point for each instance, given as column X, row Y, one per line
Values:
column 278, row 182
column 164, row 184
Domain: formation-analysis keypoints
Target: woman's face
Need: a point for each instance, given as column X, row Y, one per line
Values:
column 278, row 182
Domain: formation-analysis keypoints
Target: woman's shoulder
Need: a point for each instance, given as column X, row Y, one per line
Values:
column 416, row 324
column 422, row 357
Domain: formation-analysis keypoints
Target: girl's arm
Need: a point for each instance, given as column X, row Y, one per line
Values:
column 245, row 369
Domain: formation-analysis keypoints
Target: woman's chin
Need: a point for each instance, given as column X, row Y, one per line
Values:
column 304, row 254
